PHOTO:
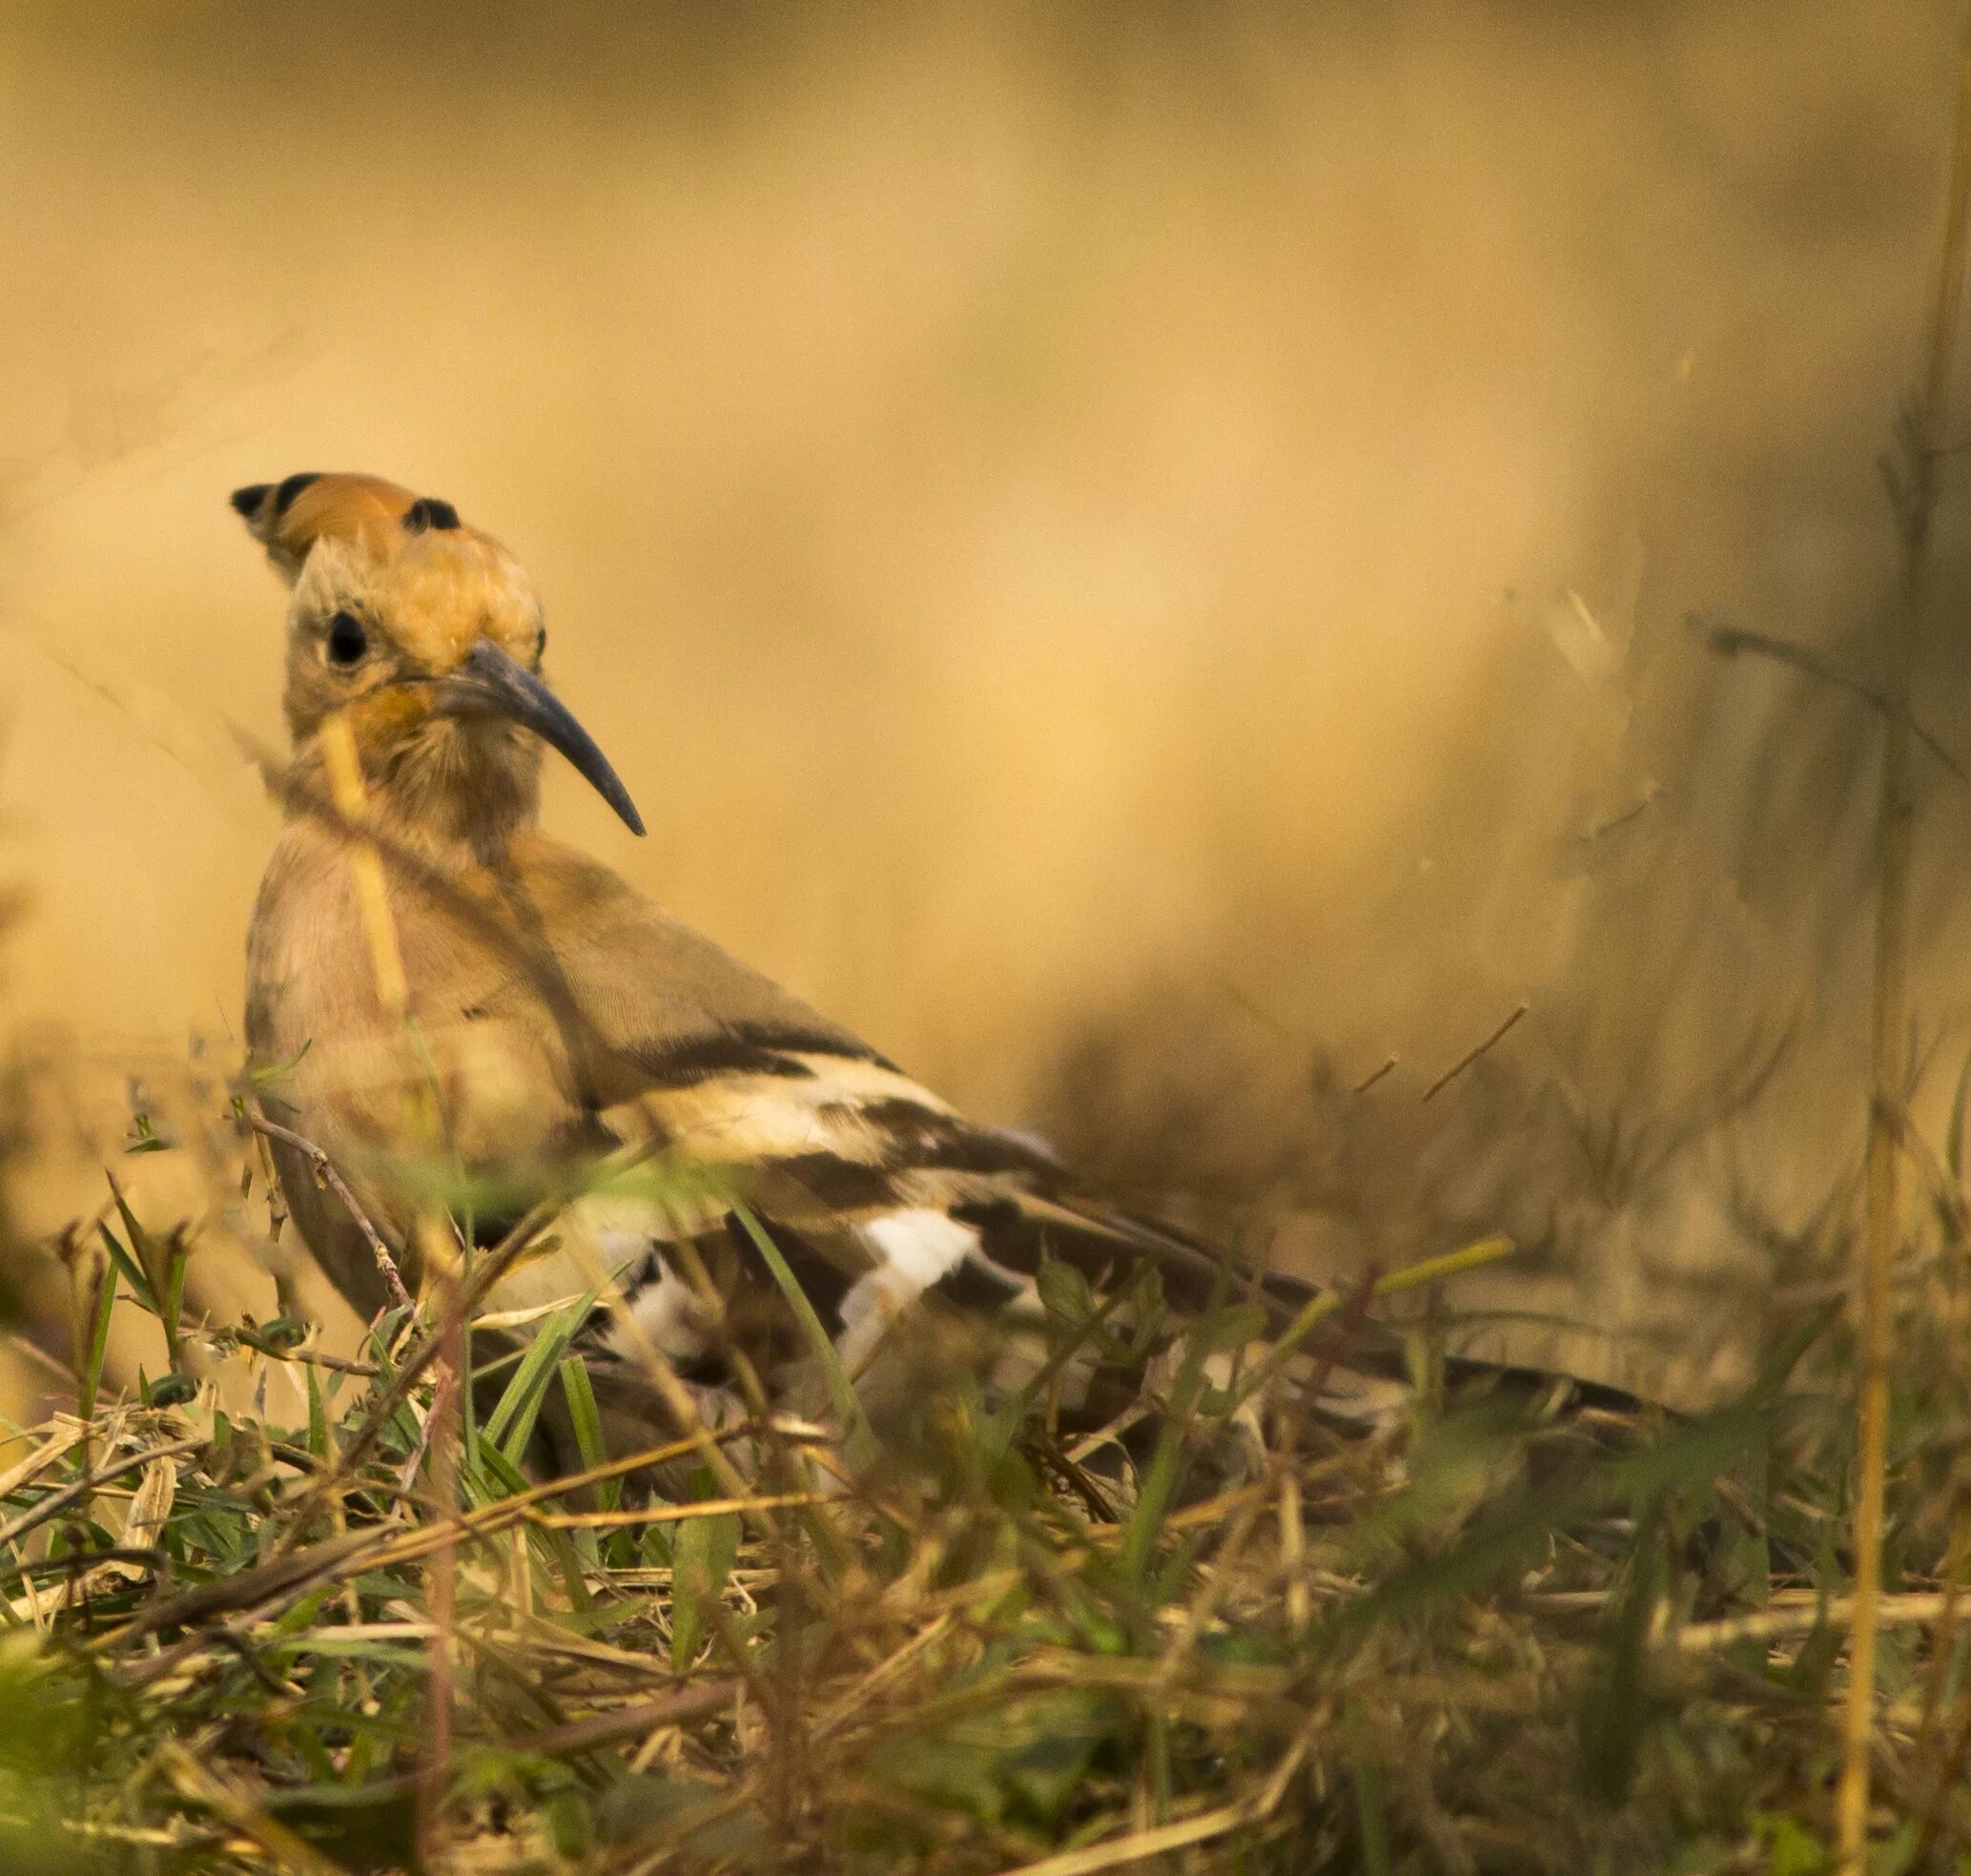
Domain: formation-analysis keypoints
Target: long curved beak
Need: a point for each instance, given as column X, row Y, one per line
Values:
column 489, row 683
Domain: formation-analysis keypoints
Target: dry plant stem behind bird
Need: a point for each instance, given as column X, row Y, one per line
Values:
column 548, row 1018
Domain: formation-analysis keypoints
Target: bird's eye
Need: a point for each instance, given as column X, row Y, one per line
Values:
column 347, row 642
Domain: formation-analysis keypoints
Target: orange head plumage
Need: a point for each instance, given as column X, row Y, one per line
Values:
column 426, row 636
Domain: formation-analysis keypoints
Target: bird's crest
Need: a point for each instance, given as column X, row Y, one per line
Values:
column 288, row 517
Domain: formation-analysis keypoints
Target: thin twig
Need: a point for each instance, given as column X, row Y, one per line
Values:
column 325, row 1171
column 1137, row 1845
column 1731, row 641
column 366, row 1370
column 641, row 1514
column 1466, row 1061
column 1369, row 1081
column 629, row 1722
column 1927, row 1750
column 1919, row 1607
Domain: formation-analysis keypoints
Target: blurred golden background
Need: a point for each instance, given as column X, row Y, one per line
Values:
column 1150, row 559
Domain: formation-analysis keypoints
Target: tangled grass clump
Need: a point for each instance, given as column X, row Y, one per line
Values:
column 1498, row 1637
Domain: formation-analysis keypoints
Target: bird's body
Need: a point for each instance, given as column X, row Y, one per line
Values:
column 551, row 1019
column 631, row 1030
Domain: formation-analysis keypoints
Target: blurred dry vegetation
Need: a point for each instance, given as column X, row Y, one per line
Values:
column 1182, row 567
column 1153, row 560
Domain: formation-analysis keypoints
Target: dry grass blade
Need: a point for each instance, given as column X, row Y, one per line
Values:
column 1882, row 1233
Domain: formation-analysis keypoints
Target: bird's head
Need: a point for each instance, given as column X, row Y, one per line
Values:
column 425, row 637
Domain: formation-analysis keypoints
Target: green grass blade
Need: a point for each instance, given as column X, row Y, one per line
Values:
column 144, row 1252
column 317, row 1418
column 132, row 1273
column 505, row 1472
column 706, row 1547
column 510, row 1425
column 578, row 1391
column 860, row 1441
column 1159, row 1481
column 1953, row 1136
column 98, row 1342
column 177, row 1260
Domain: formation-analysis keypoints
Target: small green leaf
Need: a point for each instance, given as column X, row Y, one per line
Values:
column 1614, row 1711
column 1371, row 1811
column 171, row 1391
column 1230, row 1329
column 274, row 1071
column 177, row 1260
column 569, row 1823
column 1064, row 1291
column 704, row 1553
column 143, row 1249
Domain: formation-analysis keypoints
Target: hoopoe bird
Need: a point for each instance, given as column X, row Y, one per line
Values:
column 430, row 974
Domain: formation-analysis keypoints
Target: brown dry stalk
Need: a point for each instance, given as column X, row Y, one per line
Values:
column 641, row 1514
column 1930, row 1752
column 1787, row 1621
column 92, row 1477
column 325, row 1171
column 243, row 1811
column 1465, row 1060
column 1890, row 1002
column 1137, row 1845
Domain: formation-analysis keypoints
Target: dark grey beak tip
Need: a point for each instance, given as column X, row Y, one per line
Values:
column 488, row 682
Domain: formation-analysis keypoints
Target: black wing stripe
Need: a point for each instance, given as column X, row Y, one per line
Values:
column 685, row 1064
column 847, row 1184
column 796, row 1041
column 1103, row 1244
column 977, row 1283
column 920, row 1137
column 745, row 1048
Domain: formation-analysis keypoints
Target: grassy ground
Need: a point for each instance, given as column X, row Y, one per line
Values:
column 1494, row 1638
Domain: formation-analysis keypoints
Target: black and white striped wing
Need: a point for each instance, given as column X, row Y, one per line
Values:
column 889, row 1208
column 900, row 1220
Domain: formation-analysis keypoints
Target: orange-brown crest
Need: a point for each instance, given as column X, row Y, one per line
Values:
column 288, row 517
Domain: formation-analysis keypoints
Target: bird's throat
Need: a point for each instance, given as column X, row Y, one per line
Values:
column 450, row 793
